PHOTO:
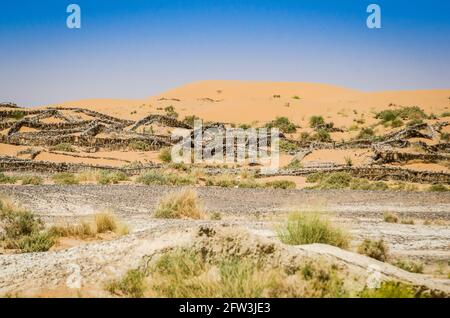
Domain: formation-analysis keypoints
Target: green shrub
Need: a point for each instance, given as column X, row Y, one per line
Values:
column 315, row 121
column 32, row 180
column 283, row 124
column 366, row 133
column 17, row 114
column 190, row 120
column 445, row 114
column 294, row 165
column 65, row 178
column 445, row 136
column 280, row 184
column 322, row 135
column 410, row 266
column 36, row 242
column 295, row 97
column 66, row 147
column 111, row 177
column 165, row 155
column 288, row 146
column 374, row 249
column 7, row 179
column 131, row 285
column 438, row 188
column 310, row 228
column 390, row 289
column 170, row 112
column 336, row 180
column 397, row 123
column 216, row 216
column 364, row 184
column 156, row 177
column 315, row 177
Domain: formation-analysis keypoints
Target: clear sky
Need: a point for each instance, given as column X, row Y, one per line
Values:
column 138, row 48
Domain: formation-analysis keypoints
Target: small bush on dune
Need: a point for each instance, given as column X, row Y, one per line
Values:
column 165, row 155
column 190, row 120
column 309, row 228
column 65, row 178
column 321, row 135
column 179, row 205
column 280, row 184
column 315, row 121
column 65, row 147
column 374, row 249
column 32, row 180
column 283, row 124
column 139, row 145
column 366, row 133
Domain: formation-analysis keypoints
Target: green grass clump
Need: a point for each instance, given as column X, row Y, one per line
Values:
column 410, row 266
column 65, row 178
column 445, row 114
column 366, row 133
column 283, row 124
column 315, row 177
column 394, row 117
column 364, row 184
column 294, row 165
column 375, row 249
column 181, row 205
column 7, row 179
column 310, row 228
column 321, row 135
column 390, row 289
column 337, row 180
column 16, row 114
column 165, row 155
column 288, row 146
column 157, row 177
column 438, row 188
column 22, row 230
column 280, row 184
column 66, row 147
column 32, row 180
column 111, row 177
column 315, row 121
column 131, row 285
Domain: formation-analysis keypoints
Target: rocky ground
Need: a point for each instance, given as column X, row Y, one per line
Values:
column 254, row 211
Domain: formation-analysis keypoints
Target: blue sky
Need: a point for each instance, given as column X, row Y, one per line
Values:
column 137, row 48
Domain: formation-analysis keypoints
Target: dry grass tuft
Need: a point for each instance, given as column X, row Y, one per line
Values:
column 180, row 205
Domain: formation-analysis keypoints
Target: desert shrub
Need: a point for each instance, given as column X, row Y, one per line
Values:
column 407, row 221
column 22, row 230
column 438, row 188
column 390, row 289
column 139, row 145
column 179, row 205
column 315, row 121
column 32, row 180
column 390, row 217
column 230, row 181
column 366, row 133
column 66, row 147
column 131, row 285
column 397, row 123
column 65, row 178
column 315, row 177
column 310, row 228
column 445, row 114
column 288, row 146
column 216, row 216
column 190, row 120
column 364, row 184
column 16, row 114
column 445, row 136
column 245, row 126
column 170, row 111
column 376, row 249
column 348, row 161
column 294, row 165
column 111, row 177
column 157, row 177
column 412, row 112
column 7, row 179
column 165, row 155
column 82, row 230
column 393, row 117
column 280, row 184
column 321, row 135
column 410, row 266
column 336, row 180
column 414, row 122
column 283, row 124
column 295, row 97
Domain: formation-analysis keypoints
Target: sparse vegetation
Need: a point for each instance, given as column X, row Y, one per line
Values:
column 216, row 216
column 394, row 117
column 181, row 205
column 190, row 120
column 7, row 179
column 410, row 266
column 315, row 121
column 283, row 124
column 390, row 289
column 366, row 133
column 309, row 228
column 165, row 155
column 111, row 177
column 32, row 180
column 132, row 285
column 438, row 188
column 280, row 184
column 170, row 111
column 159, row 177
column 294, row 165
column 65, row 147
column 390, row 217
column 65, row 178
column 376, row 249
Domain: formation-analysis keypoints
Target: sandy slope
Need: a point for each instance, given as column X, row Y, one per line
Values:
column 247, row 102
